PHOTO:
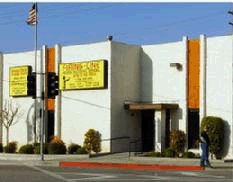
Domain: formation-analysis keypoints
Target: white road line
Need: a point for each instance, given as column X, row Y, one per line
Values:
column 201, row 175
column 155, row 176
column 136, row 179
column 83, row 174
column 93, row 178
column 190, row 174
column 48, row 173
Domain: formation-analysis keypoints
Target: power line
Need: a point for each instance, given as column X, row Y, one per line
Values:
column 166, row 25
column 72, row 12
column 56, row 15
column 85, row 102
column 174, row 23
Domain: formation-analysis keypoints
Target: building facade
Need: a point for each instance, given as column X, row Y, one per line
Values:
column 150, row 90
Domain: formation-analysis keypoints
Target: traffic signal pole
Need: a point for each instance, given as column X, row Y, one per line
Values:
column 42, row 92
column 35, row 102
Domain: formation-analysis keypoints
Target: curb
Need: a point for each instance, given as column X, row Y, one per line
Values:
column 107, row 165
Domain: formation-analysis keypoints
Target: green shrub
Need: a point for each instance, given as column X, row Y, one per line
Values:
column 189, row 155
column 169, row 153
column 72, row 149
column 11, row 147
column 82, row 150
column 92, row 141
column 37, row 148
column 1, row 148
column 154, row 154
column 26, row 149
column 215, row 129
column 56, row 147
column 178, row 139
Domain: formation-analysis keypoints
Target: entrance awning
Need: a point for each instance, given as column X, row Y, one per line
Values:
column 150, row 106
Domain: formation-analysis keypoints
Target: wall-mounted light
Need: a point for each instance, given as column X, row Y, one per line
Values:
column 177, row 65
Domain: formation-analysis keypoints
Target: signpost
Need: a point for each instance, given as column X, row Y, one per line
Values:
column 18, row 80
column 82, row 75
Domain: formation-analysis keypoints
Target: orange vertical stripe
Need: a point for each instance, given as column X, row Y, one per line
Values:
column 51, row 59
column 51, row 68
column 193, row 74
column 51, row 104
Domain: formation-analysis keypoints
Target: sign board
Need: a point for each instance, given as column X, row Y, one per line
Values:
column 83, row 75
column 18, row 80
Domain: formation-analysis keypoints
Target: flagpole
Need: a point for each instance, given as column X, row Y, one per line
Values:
column 35, row 74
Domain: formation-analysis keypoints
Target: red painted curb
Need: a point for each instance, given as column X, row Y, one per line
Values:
column 63, row 164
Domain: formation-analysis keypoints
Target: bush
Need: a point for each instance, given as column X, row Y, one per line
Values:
column 56, row 146
column 82, row 150
column 11, row 147
column 178, row 139
column 26, row 149
column 215, row 129
column 37, row 148
column 92, row 141
column 154, row 154
column 1, row 147
column 72, row 149
column 169, row 153
column 189, row 155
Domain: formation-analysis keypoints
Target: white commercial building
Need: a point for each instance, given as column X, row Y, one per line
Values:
column 149, row 90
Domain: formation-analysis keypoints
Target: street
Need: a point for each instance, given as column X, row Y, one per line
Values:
column 21, row 172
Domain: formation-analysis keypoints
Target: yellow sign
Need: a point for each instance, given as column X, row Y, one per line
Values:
column 82, row 75
column 18, row 80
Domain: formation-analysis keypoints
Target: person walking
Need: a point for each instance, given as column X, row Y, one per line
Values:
column 205, row 142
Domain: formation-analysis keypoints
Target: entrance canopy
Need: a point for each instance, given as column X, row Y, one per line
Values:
column 150, row 106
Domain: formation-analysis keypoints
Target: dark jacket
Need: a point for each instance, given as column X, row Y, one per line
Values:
column 205, row 138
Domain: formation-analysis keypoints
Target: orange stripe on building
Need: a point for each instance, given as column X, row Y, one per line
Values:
column 51, row 59
column 51, row 104
column 51, row 68
column 193, row 74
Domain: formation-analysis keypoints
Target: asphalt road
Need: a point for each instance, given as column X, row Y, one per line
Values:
column 19, row 172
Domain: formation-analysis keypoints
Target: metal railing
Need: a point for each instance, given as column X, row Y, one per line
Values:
column 135, row 145
column 139, row 145
column 111, row 140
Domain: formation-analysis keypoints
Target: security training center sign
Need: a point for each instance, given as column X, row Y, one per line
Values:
column 83, row 75
column 18, row 80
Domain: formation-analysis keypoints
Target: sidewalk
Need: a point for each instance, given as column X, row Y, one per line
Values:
column 116, row 159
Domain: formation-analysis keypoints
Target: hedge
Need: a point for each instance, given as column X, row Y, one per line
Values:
column 215, row 129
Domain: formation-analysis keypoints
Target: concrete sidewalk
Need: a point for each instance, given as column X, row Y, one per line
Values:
column 122, row 158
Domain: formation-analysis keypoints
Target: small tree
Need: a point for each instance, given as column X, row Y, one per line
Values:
column 97, row 144
column 92, row 141
column 9, row 116
column 178, row 139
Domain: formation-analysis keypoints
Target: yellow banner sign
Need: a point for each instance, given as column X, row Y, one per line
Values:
column 18, row 80
column 82, row 75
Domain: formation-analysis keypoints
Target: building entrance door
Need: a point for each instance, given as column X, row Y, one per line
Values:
column 148, row 130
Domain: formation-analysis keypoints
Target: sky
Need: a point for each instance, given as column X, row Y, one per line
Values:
column 132, row 23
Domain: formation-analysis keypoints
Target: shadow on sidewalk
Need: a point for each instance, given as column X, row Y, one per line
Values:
column 222, row 167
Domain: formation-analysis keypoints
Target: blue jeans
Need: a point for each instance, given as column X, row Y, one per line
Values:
column 204, row 154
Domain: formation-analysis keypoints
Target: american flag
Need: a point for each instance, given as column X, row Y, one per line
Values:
column 32, row 18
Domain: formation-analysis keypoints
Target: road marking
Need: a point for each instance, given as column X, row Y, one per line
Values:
column 106, row 177
column 189, row 174
column 84, row 174
column 135, row 179
column 48, row 173
column 155, row 176
column 93, row 178
column 200, row 175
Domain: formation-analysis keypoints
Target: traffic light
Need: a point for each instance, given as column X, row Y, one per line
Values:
column 52, row 85
column 31, row 85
